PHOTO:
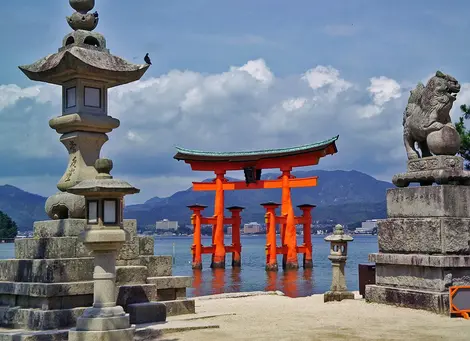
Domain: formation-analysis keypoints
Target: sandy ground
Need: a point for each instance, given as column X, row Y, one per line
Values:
column 272, row 317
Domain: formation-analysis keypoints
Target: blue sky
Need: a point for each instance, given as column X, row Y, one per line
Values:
column 363, row 58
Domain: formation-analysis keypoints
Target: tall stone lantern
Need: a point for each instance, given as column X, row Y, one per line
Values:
column 338, row 255
column 104, row 235
column 85, row 69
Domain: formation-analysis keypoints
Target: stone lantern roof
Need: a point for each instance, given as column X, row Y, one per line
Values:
column 104, row 184
column 338, row 235
column 84, row 54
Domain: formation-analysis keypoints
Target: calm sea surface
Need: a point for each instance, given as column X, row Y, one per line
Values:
column 252, row 276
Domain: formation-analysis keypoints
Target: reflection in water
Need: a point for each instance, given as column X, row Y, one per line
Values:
column 235, row 284
column 218, row 281
column 197, row 281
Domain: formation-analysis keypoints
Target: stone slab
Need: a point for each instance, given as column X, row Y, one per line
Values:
column 36, row 319
column 146, row 245
column 157, row 266
column 429, row 201
column 146, row 312
column 171, row 282
column 420, row 277
column 46, row 289
column 50, row 248
column 331, row 296
column 154, row 331
column 180, row 307
column 424, row 235
column 126, row 275
column 46, row 270
column 103, row 323
column 448, row 261
column 105, row 335
column 59, row 228
column 130, row 294
column 436, row 302
column 26, row 335
column 46, row 303
column 125, row 262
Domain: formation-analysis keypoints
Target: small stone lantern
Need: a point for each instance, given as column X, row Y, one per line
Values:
column 104, row 235
column 338, row 255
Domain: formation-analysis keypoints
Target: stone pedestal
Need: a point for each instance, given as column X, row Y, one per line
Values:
column 424, row 247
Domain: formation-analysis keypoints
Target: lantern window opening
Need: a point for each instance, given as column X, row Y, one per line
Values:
column 110, row 211
column 91, row 41
column 92, row 211
column 71, row 97
column 70, row 40
column 92, row 97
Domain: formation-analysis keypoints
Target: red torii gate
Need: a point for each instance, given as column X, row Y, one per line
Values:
column 252, row 162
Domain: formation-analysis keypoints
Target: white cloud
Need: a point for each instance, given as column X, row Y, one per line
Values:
column 246, row 107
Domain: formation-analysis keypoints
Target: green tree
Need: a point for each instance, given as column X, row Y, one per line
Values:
column 8, row 228
column 464, row 135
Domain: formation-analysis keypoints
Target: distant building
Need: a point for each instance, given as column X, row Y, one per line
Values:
column 368, row 227
column 252, row 228
column 167, row 225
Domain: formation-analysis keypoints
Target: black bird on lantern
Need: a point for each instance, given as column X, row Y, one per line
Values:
column 147, row 59
column 95, row 14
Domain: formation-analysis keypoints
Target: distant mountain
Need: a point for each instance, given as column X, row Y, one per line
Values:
column 342, row 196
column 23, row 207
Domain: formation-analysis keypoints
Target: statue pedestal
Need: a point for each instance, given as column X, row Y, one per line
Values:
column 424, row 247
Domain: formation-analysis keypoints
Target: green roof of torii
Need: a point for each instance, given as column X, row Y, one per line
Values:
column 189, row 154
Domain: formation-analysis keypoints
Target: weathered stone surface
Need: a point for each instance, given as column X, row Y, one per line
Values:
column 424, row 235
column 146, row 244
column 82, row 251
column 146, row 312
column 47, row 289
column 167, row 282
column 124, row 262
column 157, row 265
column 59, row 228
column 46, row 270
column 429, row 201
column 129, row 250
column 449, row 261
column 106, row 335
column 129, row 294
column 36, row 319
column 420, row 277
column 437, row 302
column 46, row 303
column 166, row 294
column 40, row 248
column 130, row 275
column 130, row 226
column 180, row 293
column 28, row 335
column 180, row 307
column 331, row 296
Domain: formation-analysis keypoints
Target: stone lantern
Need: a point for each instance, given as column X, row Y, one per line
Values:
column 338, row 255
column 85, row 69
column 104, row 235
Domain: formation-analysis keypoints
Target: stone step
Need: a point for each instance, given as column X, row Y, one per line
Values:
column 131, row 274
column 50, row 248
column 154, row 331
column 171, row 282
column 157, row 265
column 27, row 335
column 148, row 312
column 37, row 319
column 46, row 270
column 140, row 293
column 180, row 307
column 59, row 228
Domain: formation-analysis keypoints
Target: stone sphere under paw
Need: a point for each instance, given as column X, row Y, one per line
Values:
column 444, row 142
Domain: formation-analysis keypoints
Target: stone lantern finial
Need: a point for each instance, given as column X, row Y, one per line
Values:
column 104, row 167
column 81, row 19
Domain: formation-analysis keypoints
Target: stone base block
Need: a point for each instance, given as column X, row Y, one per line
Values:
column 103, row 323
column 146, row 245
column 130, row 294
column 429, row 201
column 49, row 335
column 157, row 266
column 331, row 296
column 437, row 302
column 106, row 335
column 448, row 261
column 424, row 235
column 167, row 282
column 131, row 275
column 146, row 312
column 59, row 228
column 47, row 270
column 180, row 307
column 35, row 319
